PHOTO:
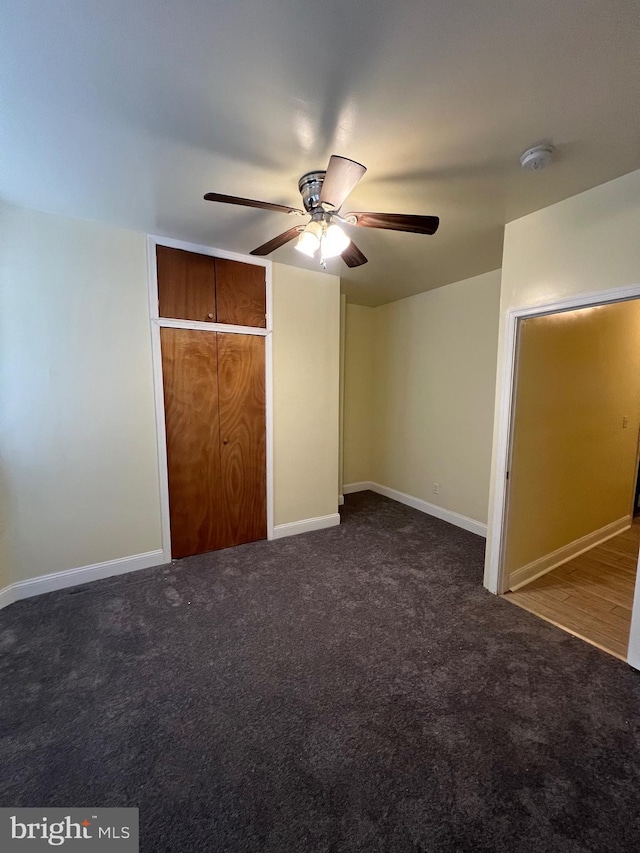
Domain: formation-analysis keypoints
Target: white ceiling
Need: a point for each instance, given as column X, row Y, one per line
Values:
column 128, row 111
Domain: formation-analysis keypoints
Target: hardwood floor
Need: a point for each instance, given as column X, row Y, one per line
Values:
column 592, row 595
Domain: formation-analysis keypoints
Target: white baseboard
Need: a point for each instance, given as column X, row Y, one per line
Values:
column 6, row 596
column 365, row 486
column 110, row 568
column 417, row 503
column 306, row 525
column 539, row 567
column 84, row 574
column 340, row 500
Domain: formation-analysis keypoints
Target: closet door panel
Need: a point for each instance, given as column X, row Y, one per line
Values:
column 190, row 378
column 186, row 285
column 242, row 433
column 240, row 293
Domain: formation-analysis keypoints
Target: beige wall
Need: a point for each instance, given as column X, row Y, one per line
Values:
column 573, row 465
column 79, row 464
column 434, row 383
column 358, row 393
column 78, row 474
column 581, row 245
column 420, row 378
column 306, row 354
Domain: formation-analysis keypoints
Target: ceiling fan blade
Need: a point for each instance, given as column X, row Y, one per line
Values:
column 341, row 177
column 276, row 242
column 352, row 256
column 251, row 202
column 396, row 222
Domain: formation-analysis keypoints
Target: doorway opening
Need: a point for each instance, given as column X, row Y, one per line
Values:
column 571, row 535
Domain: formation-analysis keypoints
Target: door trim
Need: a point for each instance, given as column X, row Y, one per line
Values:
column 495, row 579
column 157, row 322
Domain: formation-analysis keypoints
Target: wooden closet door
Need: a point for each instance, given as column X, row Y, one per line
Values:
column 186, row 285
column 243, row 436
column 190, row 378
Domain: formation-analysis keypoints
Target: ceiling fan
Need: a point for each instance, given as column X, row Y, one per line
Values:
column 323, row 194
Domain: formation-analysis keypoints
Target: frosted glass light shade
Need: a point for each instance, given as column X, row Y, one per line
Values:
column 309, row 241
column 334, row 241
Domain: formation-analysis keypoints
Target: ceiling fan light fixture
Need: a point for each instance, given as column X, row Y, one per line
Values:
column 334, row 241
column 309, row 240
column 323, row 194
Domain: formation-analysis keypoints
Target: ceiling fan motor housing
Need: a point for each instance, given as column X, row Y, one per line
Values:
column 310, row 187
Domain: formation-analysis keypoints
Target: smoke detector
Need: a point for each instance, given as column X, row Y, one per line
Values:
column 536, row 158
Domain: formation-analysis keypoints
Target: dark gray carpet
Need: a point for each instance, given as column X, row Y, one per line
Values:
column 354, row 689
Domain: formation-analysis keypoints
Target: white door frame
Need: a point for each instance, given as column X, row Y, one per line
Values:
column 495, row 579
column 158, row 322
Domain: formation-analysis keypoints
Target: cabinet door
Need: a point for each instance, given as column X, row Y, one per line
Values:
column 190, row 377
column 186, row 285
column 240, row 293
column 242, row 433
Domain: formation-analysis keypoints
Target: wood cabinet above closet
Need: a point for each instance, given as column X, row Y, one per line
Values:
column 186, row 285
column 240, row 293
column 211, row 290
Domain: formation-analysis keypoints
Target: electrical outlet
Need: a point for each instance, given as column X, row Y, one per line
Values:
column 436, row 488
